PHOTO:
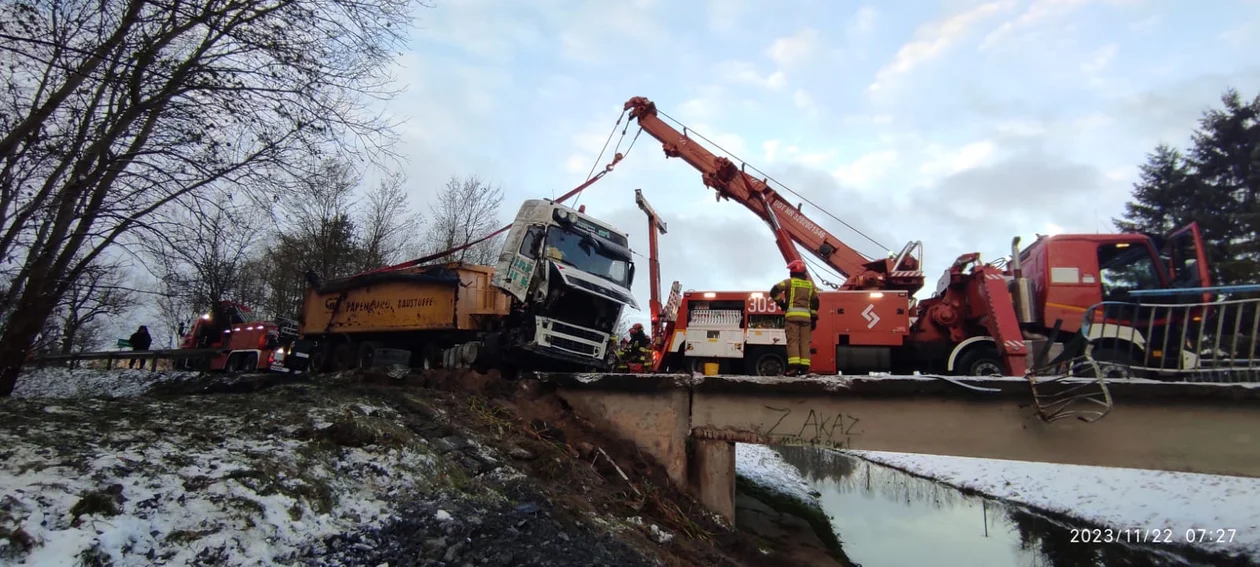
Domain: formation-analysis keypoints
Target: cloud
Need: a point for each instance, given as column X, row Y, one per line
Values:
column 743, row 72
column 795, row 49
column 1038, row 11
column 1100, row 59
column 867, row 169
column 862, row 25
column 943, row 162
column 931, row 40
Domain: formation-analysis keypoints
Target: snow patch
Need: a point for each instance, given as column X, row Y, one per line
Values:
column 1112, row 497
column 160, row 482
column 766, row 468
column 61, row 382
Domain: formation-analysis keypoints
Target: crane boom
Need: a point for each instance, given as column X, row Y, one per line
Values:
column 789, row 223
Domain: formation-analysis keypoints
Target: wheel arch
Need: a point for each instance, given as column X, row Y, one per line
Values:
column 963, row 346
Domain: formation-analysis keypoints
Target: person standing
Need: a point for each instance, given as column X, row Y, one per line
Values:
column 639, row 344
column 140, row 340
column 800, row 315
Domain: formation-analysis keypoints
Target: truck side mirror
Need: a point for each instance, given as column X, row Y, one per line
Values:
column 630, row 273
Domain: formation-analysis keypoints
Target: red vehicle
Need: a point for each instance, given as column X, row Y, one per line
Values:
column 982, row 319
column 246, row 344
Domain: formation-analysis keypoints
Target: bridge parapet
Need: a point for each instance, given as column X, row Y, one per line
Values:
column 1189, row 427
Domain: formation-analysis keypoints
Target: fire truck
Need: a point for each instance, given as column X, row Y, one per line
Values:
column 982, row 318
column 245, row 342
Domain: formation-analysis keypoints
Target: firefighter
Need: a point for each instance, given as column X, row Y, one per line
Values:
column 638, row 345
column 140, row 340
column 800, row 308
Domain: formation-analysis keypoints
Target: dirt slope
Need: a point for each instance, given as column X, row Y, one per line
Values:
column 432, row 468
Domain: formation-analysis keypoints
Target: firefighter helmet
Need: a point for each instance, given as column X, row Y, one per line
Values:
column 637, row 327
column 796, row 266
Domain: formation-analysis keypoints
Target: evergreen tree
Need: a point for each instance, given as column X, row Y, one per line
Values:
column 1225, row 155
column 1215, row 184
column 1163, row 196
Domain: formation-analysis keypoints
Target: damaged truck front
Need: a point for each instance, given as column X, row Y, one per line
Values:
column 550, row 303
column 569, row 277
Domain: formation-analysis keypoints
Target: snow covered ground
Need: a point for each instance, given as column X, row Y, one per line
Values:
column 766, row 468
column 239, row 480
column 1122, row 499
column 57, row 382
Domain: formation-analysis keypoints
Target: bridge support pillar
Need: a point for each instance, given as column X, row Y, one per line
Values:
column 713, row 476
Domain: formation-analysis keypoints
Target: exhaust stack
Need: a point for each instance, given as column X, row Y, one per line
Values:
column 1023, row 291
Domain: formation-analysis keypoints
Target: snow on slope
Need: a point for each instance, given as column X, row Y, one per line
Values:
column 764, row 467
column 1112, row 497
column 238, row 480
column 58, row 382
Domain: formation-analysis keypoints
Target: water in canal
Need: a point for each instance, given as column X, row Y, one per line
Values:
column 886, row 517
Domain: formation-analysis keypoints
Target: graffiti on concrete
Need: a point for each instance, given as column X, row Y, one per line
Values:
column 812, row 427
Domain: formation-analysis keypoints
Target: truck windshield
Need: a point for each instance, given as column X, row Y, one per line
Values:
column 582, row 251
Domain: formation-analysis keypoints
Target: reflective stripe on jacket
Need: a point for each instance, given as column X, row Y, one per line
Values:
column 802, row 300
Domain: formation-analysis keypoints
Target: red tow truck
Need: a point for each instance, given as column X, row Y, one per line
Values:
column 982, row 318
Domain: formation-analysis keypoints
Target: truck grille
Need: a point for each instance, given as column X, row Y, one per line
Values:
column 578, row 332
column 572, row 345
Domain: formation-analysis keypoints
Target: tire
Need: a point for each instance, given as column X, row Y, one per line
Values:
column 765, row 362
column 980, row 361
column 319, row 359
column 366, row 354
column 1114, row 363
column 342, row 357
column 430, row 356
column 490, row 354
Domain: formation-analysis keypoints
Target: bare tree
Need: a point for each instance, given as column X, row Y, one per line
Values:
column 388, row 225
column 200, row 250
column 317, row 233
column 465, row 210
column 112, row 110
column 78, row 321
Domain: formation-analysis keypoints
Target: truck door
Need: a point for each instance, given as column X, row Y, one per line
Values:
column 1187, row 260
column 520, row 271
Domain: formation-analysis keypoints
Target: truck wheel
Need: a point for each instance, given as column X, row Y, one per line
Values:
column 367, row 354
column 430, row 356
column 765, row 362
column 490, row 353
column 319, row 359
column 1113, row 363
column 342, row 357
column 980, row 361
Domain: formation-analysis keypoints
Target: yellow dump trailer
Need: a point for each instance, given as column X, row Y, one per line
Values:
column 452, row 296
column 419, row 310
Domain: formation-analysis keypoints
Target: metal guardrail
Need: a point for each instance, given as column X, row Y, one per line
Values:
column 1162, row 336
column 112, row 355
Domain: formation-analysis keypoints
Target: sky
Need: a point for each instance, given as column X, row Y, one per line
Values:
column 957, row 123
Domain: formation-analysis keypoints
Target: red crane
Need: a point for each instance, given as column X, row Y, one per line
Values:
column 791, row 227
column 655, row 225
column 973, row 301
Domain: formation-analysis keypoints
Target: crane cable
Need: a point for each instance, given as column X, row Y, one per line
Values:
column 600, row 157
column 769, row 178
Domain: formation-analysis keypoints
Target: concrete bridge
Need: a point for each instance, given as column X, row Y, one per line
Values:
column 1203, row 428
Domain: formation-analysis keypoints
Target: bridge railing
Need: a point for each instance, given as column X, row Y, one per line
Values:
column 1168, row 335
column 1176, row 335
